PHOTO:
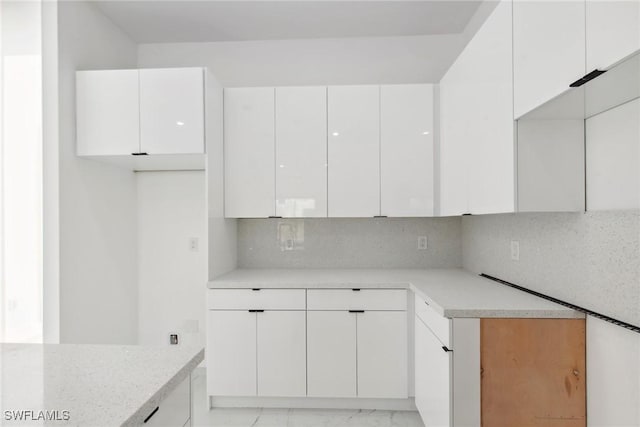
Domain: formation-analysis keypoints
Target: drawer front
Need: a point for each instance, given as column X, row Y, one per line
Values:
column 439, row 325
column 263, row 299
column 175, row 409
column 364, row 299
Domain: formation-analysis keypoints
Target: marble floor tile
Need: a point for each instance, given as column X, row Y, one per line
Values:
column 271, row 417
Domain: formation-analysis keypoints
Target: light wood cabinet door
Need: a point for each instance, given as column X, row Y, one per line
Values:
column 281, row 353
column 331, row 354
column 354, row 151
column 382, row 354
column 231, row 353
column 249, row 152
column 172, row 110
column 301, row 151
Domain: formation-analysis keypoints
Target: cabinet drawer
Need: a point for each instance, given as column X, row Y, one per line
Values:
column 263, row 299
column 364, row 299
column 175, row 409
column 438, row 324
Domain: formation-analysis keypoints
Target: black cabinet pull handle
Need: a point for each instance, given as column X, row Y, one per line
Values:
column 151, row 415
column 356, row 289
column 356, row 311
column 255, row 289
column 139, row 154
column 446, row 349
column 256, row 311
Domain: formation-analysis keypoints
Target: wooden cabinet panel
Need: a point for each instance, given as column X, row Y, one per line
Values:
column 533, row 372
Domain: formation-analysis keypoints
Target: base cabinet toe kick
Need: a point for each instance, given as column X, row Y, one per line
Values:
column 375, row 348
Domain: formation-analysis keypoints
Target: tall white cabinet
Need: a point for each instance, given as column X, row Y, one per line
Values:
column 406, row 150
column 301, row 151
column 249, row 150
column 354, row 151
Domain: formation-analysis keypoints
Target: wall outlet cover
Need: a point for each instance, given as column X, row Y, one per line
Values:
column 423, row 243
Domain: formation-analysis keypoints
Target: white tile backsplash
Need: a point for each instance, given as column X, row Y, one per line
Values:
column 349, row 243
column 590, row 259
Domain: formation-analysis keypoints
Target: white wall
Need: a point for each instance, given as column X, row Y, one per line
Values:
column 171, row 211
column 98, row 275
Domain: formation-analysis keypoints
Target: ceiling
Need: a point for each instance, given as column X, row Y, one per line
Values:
column 160, row 21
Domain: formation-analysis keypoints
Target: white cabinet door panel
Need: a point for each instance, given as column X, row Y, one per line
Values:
column 613, row 158
column 175, row 409
column 282, row 353
column 231, row 353
column 406, row 150
column 354, row 151
column 613, row 31
column 363, row 299
column 433, row 378
column 249, row 144
column 382, row 354
column 549, row 50
column 331, row 354
column 107, row 113
column 301, row 151
column 172, row 110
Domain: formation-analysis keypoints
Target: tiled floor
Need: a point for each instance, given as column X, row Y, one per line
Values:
column 263, row 417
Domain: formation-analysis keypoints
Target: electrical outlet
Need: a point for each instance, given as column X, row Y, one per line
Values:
column 423, row 243
column 173, row 339
column 515, row 250
column 194, row 244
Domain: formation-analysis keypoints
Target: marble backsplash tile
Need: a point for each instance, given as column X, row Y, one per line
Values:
column 349, row 243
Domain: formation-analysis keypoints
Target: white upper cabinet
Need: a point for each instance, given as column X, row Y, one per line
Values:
column 107, row 113
column 354, row 151
column 301, row 151
column 477, row 172
column 172, row 111
column 613, row 31
column 406, row 150
column 549, row 50
column 249, row 144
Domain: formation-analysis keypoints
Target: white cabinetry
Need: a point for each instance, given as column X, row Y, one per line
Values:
column 249, row 144
column 354, row 151
column 156, row 115
column 172, row 111
column 477, row 173
column 406, row 150
column 447, row 368
column 613, row 31
column 549, row 50
column 357, row 344
column 175, row 409
column 301, row 151
column 256, row 351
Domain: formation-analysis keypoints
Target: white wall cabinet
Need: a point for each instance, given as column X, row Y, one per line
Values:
column 613, row 31
column 172, row 110
column 406, row 150
column 156, row 115
column 549, row 50
column 249, row 144
column 301, row 151
column 477, row 168
column 354, row 151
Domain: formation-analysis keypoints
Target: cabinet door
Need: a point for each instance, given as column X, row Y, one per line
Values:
column 249, row 152
column 281, row 353
column 175, row 409
column 107, row 113
column 382, row 354
column 432, row 378
column 354, row 151
column 231, row 353
column 301, row 151
column 613, row 31
column 406, row 150
column 331, row 354
column 172, row 110
column 549, row 50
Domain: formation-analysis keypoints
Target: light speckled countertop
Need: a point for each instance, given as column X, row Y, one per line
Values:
column 451, row 292
column 100, row 385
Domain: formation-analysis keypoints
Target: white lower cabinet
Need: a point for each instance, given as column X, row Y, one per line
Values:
column 175, row 409
column 331, row 349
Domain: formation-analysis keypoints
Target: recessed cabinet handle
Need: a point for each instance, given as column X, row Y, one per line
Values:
column 139, row 154
column 446, row 349
column 356, row 289
column 256, row 311
column 356, row 311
